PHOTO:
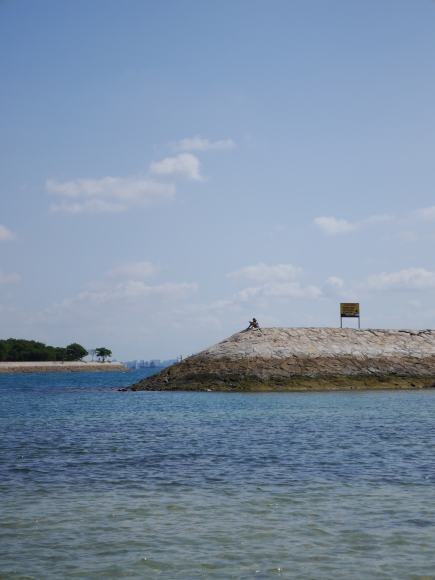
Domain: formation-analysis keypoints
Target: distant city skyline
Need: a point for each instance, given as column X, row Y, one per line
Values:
column 170, row 170
column 153, row 363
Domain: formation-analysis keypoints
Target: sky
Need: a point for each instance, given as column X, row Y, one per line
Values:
column 170, row 169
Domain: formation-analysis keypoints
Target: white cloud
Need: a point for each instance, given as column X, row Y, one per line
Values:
column 277, row 290
column 426, row 214
column 130, row 292
column 9, row 278
column 332, row 226
column 290, row 290
column 133, row 271
column 110, row 194
column 376, row 219
column 6, row 235
column 410, row 279
column 137, row 290
column 333, row 287
column 185, row 165
column 263, row 273
column 275, row 282
column 197, row 143
column 92, row 206
column 115, row 194
column 206, row 322
column 334, row 282
column 246, row 294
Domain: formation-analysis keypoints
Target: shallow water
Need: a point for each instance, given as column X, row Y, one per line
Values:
column 96, row 483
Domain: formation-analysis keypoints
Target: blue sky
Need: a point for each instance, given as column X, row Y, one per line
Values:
column 170, row 169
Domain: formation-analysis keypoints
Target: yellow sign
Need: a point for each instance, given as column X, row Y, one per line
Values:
column 349, row 309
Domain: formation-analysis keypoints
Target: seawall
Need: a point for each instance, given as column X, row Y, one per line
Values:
column 59, row 367
column 280, row 359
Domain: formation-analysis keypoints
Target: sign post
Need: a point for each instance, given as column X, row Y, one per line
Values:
column 349, row 310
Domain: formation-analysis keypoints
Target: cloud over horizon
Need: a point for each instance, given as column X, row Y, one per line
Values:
column 6, row 235
column 198, row 143
column 410, row 279
column 9, row 278
column 115, row 194
column 418, row 279
column 185, row 165
column 109, row 194
column 425, row 214
column 332, row 226
column 274, row 282
column 263, row 273
column 133, row 271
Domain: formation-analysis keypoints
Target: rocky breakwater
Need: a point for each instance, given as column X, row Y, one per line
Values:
column 280, row 359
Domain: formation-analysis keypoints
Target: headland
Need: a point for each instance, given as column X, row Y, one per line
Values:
column 60, row 367
column 299, row 359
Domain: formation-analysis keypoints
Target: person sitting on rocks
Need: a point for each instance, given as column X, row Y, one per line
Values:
column 253, row 324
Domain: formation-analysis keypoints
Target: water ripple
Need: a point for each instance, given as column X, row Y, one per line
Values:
column 95, row 483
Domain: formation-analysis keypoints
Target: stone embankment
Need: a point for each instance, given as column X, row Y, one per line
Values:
column 280, row 359
column 59, row 367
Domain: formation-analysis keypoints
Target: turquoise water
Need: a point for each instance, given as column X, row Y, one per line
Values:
column 96, row 483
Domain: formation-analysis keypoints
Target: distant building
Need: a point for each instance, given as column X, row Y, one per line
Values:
column 152, row 364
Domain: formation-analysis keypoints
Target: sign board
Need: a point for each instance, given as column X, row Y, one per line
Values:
column 349, row 309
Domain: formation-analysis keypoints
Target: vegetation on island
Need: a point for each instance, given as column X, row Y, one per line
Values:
column 20, row 350
column 103, row 353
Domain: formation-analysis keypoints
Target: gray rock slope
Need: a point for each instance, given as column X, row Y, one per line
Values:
column 299, row 358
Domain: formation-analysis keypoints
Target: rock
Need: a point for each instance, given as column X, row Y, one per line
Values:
column 305, row 358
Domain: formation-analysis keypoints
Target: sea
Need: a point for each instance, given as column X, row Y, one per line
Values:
column 97, row 483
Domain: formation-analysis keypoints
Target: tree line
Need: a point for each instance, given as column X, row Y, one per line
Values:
column 20, row 350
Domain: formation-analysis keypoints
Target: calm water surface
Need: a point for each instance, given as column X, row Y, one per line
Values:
column 96, row 483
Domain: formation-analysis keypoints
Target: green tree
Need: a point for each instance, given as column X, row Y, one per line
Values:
column 75, row 351
column 3, row 350
column 28, row 350
column 14, row 349
column 103, row 353
column 60, row 353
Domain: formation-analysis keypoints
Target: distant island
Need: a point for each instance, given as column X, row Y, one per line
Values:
column 292, row 359
column 30, row 356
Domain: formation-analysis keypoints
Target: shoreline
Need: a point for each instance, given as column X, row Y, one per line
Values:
column 59, row 367
column 335, row 383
